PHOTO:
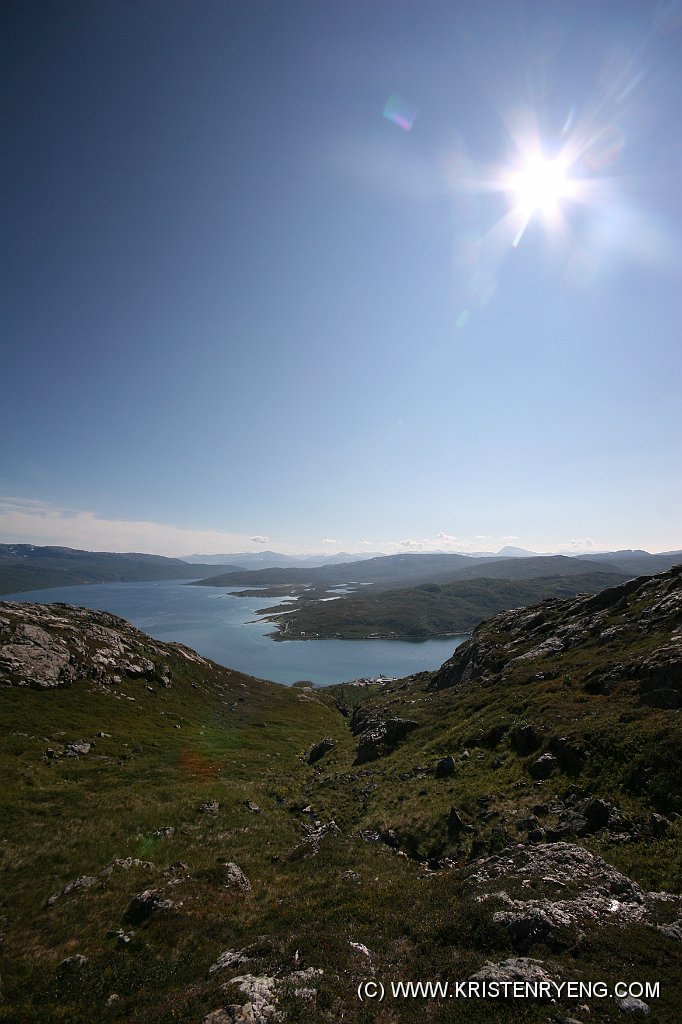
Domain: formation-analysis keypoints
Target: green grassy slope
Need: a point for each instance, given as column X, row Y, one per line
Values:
column 343, row 850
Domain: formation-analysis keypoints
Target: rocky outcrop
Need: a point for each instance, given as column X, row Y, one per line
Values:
column 524, row 637
column 378, row 736
column 43, row 646
column 263, row 993
column 568, row 889
column 515, row 969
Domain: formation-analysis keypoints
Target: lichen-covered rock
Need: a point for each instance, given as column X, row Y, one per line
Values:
column 515, row 969
column 43, row 646
column 234, row 877
column 568, row 888
column 230, row 958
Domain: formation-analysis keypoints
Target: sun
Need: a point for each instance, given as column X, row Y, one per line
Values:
column 540, row 185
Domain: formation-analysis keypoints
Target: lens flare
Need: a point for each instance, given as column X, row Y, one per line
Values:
column 400, row 111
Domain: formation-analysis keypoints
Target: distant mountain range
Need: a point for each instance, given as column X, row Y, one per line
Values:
column 411, row 569
column 31, row 567
column 275, row 559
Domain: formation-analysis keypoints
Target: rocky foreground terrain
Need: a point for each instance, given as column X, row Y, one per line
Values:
column 180, row 842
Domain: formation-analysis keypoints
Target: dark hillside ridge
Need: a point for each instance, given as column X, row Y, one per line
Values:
column 383, row 569
column 535, row 567
column 429, row 609
column 31, row 567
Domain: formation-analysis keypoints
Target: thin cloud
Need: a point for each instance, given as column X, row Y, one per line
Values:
column 259, row 539
column 26, row 521
column 329, row 540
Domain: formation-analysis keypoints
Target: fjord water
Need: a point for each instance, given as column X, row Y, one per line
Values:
column 226, row 629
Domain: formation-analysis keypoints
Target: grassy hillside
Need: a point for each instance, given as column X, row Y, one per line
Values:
column 27, row 567
column 230, row 866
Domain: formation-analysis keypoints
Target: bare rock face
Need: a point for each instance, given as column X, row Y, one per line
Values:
column 34, row 658
column 43, row 646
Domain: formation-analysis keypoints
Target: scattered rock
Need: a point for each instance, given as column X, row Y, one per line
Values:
column 234, row 877
column 126, row 863
column 545, row 765
column 262, row 993
column 524, row 738
column 659, row 825
column 73, row 962
column 596, row 813
column 571, row 821
column 673, row 930
column 570, row 753
column 146, row 903
column 230, row 958
column 589, row 891
column 122, row 938
column 251, row 806
column 319, row 750
column 527, row 824
column 209, row 807
column 228, row 1015
column 76, row 747
column 165, row 832
column 178, row 867
column 514, row 969
column 456, row 825
column 381, row 737
column 446, row 767
column 315, row 834
column 628, row 1004
column 84, row 882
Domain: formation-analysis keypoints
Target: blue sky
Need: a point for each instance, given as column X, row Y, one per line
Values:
column 244, row 308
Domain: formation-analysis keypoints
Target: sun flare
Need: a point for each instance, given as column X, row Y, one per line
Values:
column 540, row 185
